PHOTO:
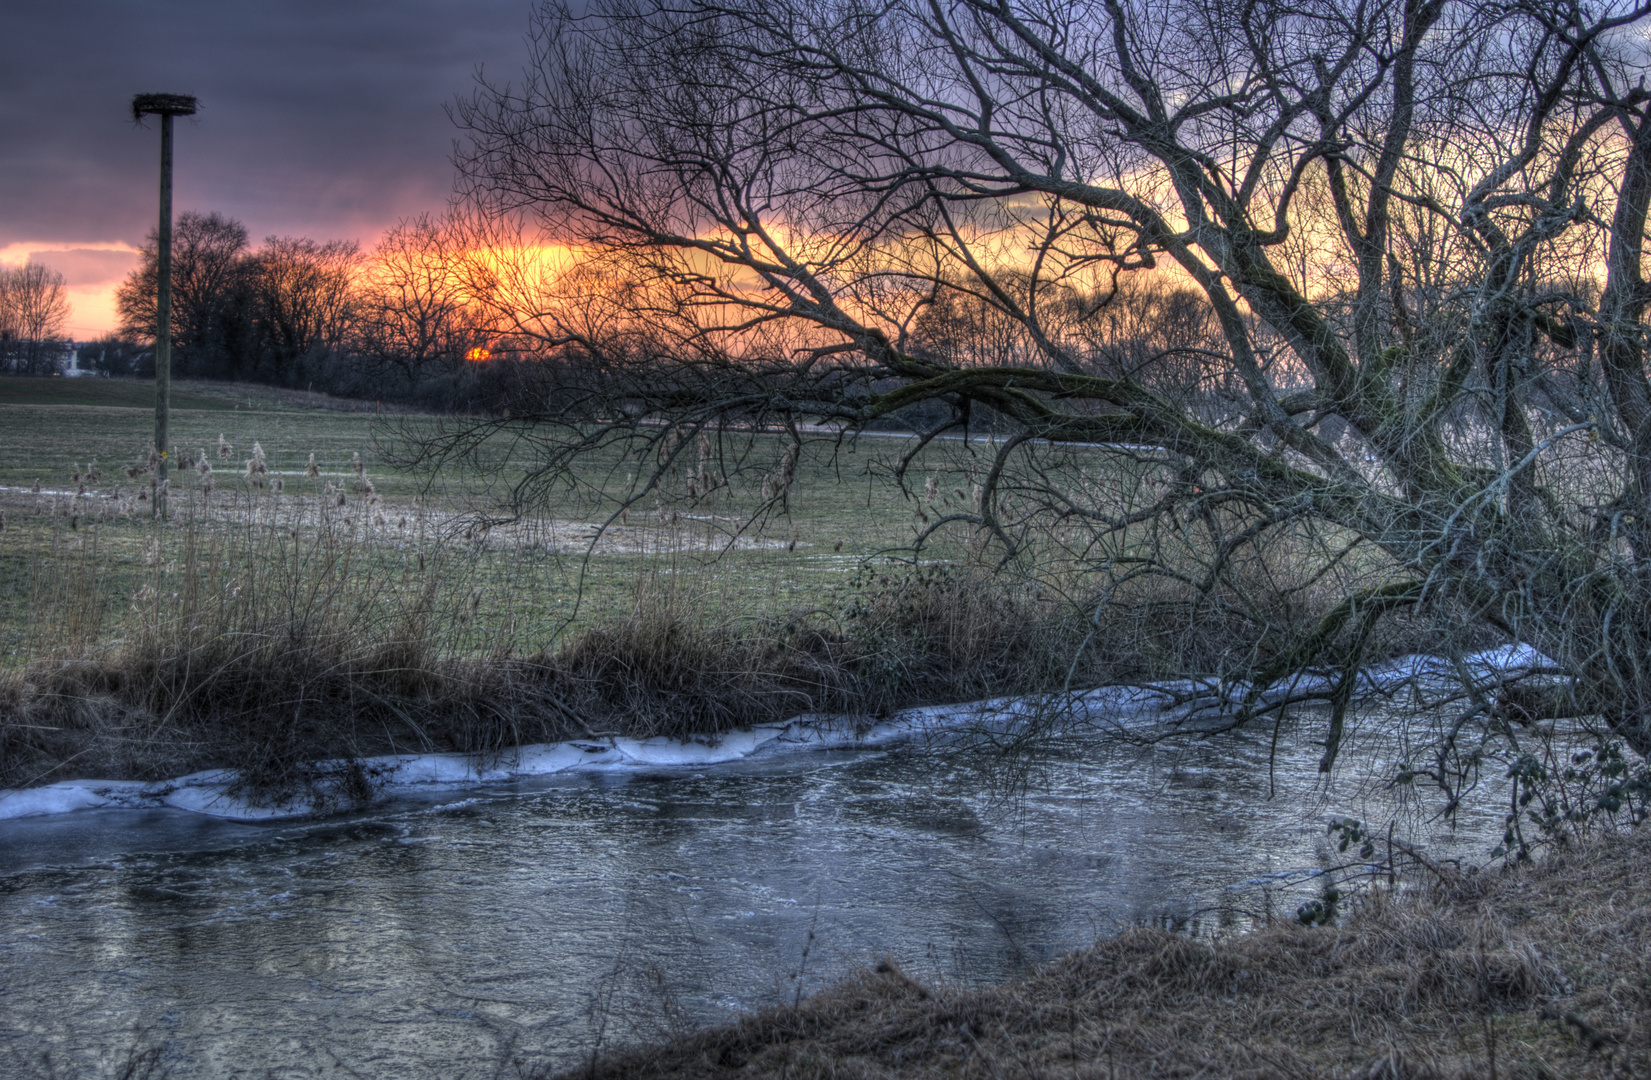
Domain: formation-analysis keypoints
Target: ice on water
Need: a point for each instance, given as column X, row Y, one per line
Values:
column 213, row 792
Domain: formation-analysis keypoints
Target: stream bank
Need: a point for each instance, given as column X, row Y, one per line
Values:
column 1533, row 972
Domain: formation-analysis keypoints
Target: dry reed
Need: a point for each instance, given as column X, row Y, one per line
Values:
column 269, row 648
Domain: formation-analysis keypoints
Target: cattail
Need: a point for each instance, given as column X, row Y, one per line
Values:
column 135, row 471
column 779, row 486
column 312, row 470
column 358, row 466
column 402, row 523
column 378, row 520
column 931, row 489
column 980, row 498
column 838, row 546
column 203, row 466
column 693, row 486
column 329, row 488
column 280, row 485
column 704, row 448
column 256, row 469
column 93, row 474
column 224, row 449
column 206, row 486
column 74, row 477
column 81, row 494
column 2, row 521
column 341, row 500
column 155, row 457
column 36, row 488
column 367, row 489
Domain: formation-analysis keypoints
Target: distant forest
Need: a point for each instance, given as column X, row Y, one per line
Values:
column 400, row 322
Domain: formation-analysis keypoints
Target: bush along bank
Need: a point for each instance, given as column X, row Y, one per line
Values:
column 281, row 684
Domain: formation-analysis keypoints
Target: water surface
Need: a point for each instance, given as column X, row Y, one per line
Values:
column 450, row 936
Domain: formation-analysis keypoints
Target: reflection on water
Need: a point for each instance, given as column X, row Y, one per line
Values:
column 441, row 939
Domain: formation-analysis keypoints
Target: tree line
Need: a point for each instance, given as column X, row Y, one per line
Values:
column 400, row 322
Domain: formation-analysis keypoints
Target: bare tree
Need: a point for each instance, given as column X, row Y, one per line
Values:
column 283, row 313
column 415, row 314
column 1359, row 281
column 302, row 306
column 209, row 327
column 34, row 312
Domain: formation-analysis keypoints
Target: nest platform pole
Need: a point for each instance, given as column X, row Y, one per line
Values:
column 163, row 322
column 166, row 106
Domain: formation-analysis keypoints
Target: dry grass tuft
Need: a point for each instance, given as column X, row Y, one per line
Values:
column 1540, row 971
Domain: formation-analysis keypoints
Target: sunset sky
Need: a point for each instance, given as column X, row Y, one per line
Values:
column 320, row 118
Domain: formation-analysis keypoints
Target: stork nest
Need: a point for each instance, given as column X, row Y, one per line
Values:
column 162, row 105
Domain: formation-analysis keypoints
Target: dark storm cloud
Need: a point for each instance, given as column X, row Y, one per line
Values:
column 319, row 117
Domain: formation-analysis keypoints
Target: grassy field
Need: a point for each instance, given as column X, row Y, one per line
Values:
column 285, row 613
column 106, row 393
column 57, row 432
column 186, row 394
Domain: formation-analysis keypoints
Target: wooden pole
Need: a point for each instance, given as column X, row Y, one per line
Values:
column 165, row 106
column 163, row 323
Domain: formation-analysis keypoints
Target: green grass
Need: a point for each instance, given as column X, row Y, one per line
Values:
column 843, row 511
column 105, row 393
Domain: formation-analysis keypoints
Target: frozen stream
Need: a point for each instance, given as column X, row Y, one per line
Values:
column 447, row 936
